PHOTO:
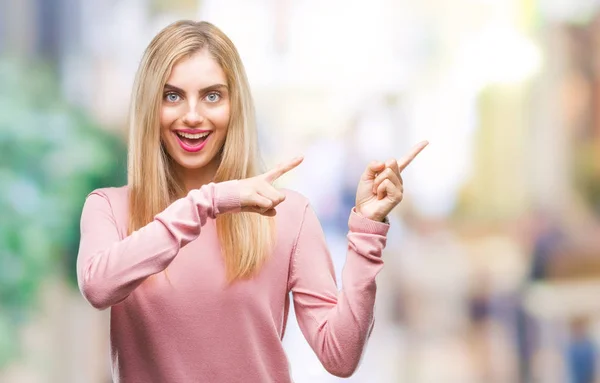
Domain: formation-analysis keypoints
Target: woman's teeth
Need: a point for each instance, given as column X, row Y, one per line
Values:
column 195, row 136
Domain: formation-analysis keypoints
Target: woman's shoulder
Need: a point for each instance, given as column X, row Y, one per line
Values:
column 294, row 205
column 116, row 197
column 111, row 192
column 294, row 198
column 110, row 203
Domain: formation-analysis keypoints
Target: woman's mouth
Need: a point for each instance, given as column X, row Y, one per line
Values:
column 192, row 142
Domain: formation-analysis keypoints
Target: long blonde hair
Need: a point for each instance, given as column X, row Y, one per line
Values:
column 246, row 238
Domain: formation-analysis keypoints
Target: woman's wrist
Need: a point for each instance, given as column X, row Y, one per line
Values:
column 372, row 217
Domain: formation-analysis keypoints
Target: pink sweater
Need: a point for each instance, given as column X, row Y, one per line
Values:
column 189, row 326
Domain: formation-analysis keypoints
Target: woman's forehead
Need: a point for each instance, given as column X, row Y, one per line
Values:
column 199, row 70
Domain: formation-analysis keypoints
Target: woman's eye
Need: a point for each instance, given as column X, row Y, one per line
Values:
column 213, row 97
column 172, row 97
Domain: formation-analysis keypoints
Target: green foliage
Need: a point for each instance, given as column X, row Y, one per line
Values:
column 51, row 156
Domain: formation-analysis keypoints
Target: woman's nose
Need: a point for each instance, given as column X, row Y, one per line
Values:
column 192, row 117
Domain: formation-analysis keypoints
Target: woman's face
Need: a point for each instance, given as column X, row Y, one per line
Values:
column 194, row 112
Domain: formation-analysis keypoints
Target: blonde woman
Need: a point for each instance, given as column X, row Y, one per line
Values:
column 197, row 255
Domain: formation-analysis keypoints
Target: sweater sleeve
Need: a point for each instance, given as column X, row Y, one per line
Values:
column 110, row 268
column 335, row 323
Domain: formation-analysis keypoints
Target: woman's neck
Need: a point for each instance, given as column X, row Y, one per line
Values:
column 196, row 178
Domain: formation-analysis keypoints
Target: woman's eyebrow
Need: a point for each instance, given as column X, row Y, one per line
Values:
column 211, row 87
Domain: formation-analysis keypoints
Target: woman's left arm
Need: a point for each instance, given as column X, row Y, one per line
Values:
column 336, row 324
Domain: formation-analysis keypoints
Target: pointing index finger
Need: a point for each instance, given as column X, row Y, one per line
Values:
column 283, row 168
column 406, row 160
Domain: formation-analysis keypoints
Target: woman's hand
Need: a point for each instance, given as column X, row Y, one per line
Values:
column 380, row 188
column 258, row 195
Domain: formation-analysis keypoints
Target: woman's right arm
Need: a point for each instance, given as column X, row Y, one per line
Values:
column 109, row 269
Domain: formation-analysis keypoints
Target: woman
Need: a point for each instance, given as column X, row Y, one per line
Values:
column 197, row 254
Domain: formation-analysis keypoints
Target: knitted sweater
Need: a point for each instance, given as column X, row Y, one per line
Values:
column 189, row 324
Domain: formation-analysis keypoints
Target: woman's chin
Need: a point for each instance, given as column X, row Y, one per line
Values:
column 194, row 163
column 191, row 165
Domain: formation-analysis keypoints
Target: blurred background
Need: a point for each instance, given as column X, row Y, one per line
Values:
column 492, row 270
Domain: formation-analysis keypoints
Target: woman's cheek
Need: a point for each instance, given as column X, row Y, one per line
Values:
column 223, row 116
column 167, row 116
